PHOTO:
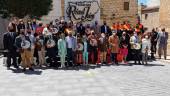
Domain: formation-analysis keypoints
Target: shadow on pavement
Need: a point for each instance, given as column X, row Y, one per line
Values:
column 36, row 72
column 154, row 65
column 77, row 68
column 16, row 70
column 28, row 72
column 149, row 65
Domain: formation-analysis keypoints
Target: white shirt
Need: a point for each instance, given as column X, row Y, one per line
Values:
column 134, row 39
column 105, row 27
column 46, row 32
column 145, row 44
column 85, row 46
column 32, row 39
column 69, row 41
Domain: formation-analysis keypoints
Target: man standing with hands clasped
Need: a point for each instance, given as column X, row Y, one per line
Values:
column 114, row 44
column 8, row 41
column 162, row 43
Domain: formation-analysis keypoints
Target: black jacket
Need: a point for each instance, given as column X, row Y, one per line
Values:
column 104, row 31
column 9, row 41
column 18, row 41
column 20, row 26
column 81, row 30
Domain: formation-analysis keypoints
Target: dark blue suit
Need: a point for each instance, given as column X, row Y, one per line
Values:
column 9, row 41
column 81, row 30
column 105, row 29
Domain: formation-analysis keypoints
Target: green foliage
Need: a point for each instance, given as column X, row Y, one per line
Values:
column 22, row 8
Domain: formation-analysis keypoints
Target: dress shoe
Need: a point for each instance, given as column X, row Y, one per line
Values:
column 16, row 67
column 24, row 69
column 31, row 69
column 8, row 68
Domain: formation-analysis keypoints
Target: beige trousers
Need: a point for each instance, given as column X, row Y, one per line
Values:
column 32, row 56
column 41, row 55
column 26, row 58
column 162, row 50
column 103, row 56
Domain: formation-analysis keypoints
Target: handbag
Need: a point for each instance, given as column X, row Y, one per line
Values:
column 119, row 57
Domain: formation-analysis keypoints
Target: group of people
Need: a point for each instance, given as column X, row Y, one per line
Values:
column 68, row 44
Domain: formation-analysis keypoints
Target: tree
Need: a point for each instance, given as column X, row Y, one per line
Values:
column 22, row 8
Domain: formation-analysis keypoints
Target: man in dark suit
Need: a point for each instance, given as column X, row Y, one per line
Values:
column 81, row 29
column 21, row 25
column 105, row 29
column 8, row 41
column 162, row 43
column 154, row 39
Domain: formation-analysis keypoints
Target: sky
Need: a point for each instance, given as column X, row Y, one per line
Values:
column 150, row 2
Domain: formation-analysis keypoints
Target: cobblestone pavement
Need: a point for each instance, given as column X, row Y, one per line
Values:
column 136, row 80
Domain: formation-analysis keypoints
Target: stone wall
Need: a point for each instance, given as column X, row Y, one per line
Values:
column 150, row 18
column 3, row 26
column 109, row 8
column 165, row 13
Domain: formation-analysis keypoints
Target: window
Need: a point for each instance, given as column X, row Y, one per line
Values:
column 146, row 16
column 126, row 6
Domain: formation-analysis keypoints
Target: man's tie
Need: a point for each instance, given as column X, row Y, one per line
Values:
column 136, row 39
column 105, row 29
column 12, row 35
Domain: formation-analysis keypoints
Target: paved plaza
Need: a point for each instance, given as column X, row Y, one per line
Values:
column 136, row 80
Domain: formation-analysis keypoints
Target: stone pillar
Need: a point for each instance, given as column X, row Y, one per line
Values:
column 165, row 13
column 62, row 7
column 165, row 17
column 3, row 27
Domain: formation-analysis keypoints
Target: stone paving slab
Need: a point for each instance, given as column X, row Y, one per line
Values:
column 136, row 80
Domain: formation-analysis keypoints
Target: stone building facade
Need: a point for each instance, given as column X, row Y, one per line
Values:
column 157, row 16
column 110, row 10
column 150, row 17
column 119, row 10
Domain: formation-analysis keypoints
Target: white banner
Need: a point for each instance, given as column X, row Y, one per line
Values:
column 82, row 10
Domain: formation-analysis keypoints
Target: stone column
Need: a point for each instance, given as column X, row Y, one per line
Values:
column 165, row 13
column 62, row 7
column 3, row 27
